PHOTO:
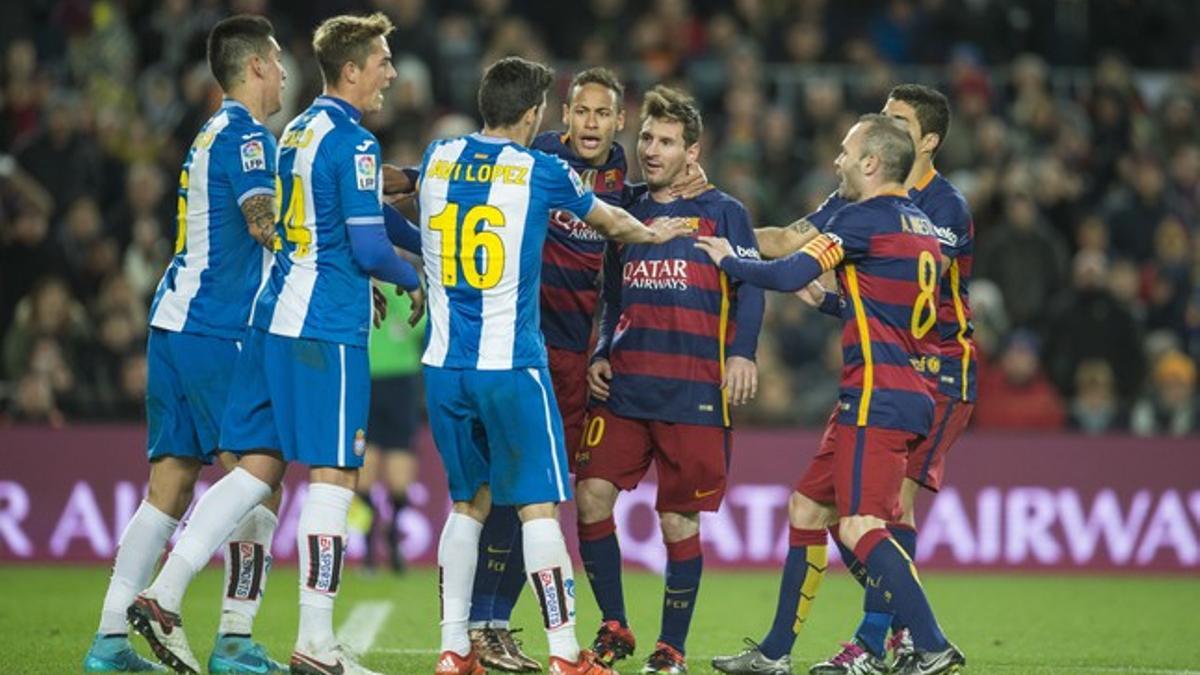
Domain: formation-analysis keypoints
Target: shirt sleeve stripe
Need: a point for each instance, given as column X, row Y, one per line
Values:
column 254, row 192
column 365, row 220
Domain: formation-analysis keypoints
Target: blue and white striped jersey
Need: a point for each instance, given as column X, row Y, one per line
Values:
column 329, row 169
column 210, row 284
column 485, row 205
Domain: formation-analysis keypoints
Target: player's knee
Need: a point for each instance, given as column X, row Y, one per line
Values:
column 678, row 526
column 806, row 514
column 172, row 485
column 595, row 499
column 852, row 528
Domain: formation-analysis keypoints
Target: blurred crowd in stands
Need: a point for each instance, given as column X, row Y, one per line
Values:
column 1075, row 136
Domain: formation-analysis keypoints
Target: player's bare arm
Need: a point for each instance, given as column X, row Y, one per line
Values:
column 259, row 212
column 616, row 224
column 396, row 181
column 780, row 242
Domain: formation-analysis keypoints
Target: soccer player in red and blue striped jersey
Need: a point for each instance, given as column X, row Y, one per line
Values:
column 926, row 113
column 887, row 259
column 676, row 347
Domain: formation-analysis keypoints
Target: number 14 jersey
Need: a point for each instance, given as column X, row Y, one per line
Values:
column 485, row 205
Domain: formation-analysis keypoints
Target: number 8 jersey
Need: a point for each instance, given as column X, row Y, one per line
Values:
column 329, row 173
column 485, row 206
column 887, row 260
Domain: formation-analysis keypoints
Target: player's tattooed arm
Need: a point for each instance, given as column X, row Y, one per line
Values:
column 616, row 224
column 259, row 212
column 780, row 242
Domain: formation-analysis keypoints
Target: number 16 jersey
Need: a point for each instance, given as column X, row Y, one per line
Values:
column 485, row 205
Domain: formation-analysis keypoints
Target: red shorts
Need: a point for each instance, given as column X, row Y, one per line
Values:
column 927, row 464
column 568, row 374
column 692, row 460
column 859, row 469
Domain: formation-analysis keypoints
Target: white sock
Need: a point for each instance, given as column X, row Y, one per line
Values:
column 549, row 568
column 214, row 518
column 137, row 553
column 457, row 552
column 321, row 542
column 247, row 562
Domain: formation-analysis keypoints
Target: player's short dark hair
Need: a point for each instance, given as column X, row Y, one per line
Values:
column 232, row 41
column 671, row 104
column 888, row 139
column 347, row 38
column 931, row 106
column 601, row 76
column 511, row 86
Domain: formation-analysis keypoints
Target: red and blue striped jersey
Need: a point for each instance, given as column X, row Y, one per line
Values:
column 887, row 260
column 947, row 209
column 670, row 317
column 574, row 253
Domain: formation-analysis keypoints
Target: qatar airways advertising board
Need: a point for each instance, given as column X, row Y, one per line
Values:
column 1029, row 502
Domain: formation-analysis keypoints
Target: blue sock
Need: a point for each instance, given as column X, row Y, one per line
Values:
column 601, row 553
column 802, row 575
column 853, row 564
column 496, row 542
column 684, row 566
column 907, row 538
column 512, row 579
column 893, row 571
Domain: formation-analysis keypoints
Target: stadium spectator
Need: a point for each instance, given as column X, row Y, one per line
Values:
column 1088, row 322
column 1095, row 408
column 1170, row 408
column 1014, row 392
column 1026, row 259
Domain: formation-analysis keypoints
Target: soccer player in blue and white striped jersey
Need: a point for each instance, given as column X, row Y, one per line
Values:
column 485, row 202
column 302, row 383
column 197, row 319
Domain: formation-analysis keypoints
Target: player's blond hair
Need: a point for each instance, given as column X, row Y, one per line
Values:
column 347, row 38
column 666, row 103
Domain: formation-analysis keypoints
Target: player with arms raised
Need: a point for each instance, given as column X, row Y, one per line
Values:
column 302, row 384
column 677, row 344
column 485, row 201
column 887, row 260
column 197, row 319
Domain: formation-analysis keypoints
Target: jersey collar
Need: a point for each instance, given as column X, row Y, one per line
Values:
column 484, row 138
column 925, row 180
column 328, row 101
column 227, row 103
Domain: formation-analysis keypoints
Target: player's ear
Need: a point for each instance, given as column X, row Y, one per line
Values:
column 620, row 119
column 693, row 152
column 531, row 115
column 929, row 143
column 349, row 72
column 566, row 117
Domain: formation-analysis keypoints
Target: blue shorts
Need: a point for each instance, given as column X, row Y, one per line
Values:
column 186, row 388
column 304, row 398
column 499, row 427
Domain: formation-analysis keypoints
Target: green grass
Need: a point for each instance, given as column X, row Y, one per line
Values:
column 1005, row 624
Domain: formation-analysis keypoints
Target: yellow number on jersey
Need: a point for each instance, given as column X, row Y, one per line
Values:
column 181, row 215
column 476, row 241
column 924, row 314
column 295, row 218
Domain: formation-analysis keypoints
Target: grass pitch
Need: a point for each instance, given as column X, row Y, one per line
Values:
column 1005, row 624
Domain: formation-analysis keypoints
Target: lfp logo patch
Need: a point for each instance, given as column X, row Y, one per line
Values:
column 365, row 171
column 360, row 442
column 253, row 157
